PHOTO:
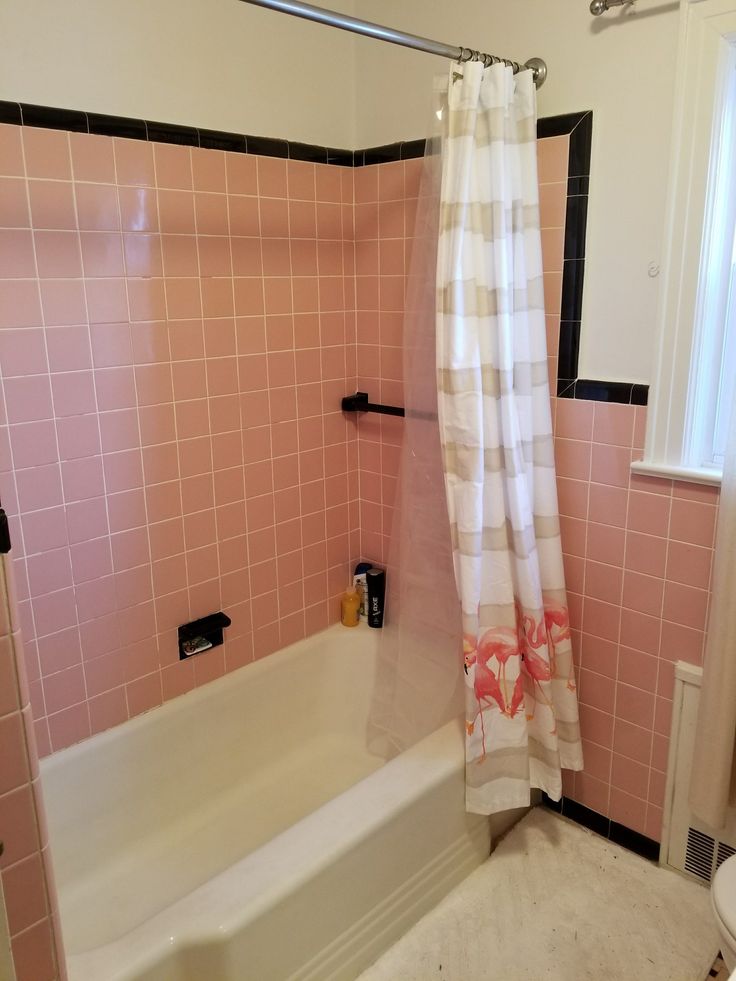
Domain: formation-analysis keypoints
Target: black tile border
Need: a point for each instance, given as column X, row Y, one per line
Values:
column 605, row 827
column 78, row 121
column 578, row 125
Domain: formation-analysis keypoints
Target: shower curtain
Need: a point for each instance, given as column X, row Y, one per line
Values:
column 497, row 447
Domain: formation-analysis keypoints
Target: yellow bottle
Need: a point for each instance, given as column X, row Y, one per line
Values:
column 350, row 608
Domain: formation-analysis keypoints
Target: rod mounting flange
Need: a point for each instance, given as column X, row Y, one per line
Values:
column 539, row 67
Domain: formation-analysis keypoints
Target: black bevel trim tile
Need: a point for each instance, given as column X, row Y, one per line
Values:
column 72, row 120
column 565, row 388
column 568, row 349
column 639, row 394
column 603, row 391
column 559, row 125
column 267, row 146
column 129, row 129
column 581, row 139
column 634, row 841
column 172, row 133
column 411, row 149
column 553, row 805
column 339, row 158
column 215, row 139
column 576, row 221
column 578, row 185
column 10, row 113
column 388, row 153
column 619, row 834
column 573, row 272
column 308, row 152
column 589, row 819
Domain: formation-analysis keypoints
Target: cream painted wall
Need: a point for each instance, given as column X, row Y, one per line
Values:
column 219, row 64
column 620, row 66
column 227, row 65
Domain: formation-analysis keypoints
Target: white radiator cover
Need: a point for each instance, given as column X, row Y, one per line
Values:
column 688, row 844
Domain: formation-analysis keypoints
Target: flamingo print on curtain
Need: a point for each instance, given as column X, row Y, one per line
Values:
column 496, row 435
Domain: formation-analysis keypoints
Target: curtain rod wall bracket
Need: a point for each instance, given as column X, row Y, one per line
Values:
column 332, row 18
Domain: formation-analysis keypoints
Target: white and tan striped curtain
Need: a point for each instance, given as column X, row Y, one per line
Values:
column 496, row 435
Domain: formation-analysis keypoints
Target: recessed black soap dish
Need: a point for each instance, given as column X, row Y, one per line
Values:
column 202, row 635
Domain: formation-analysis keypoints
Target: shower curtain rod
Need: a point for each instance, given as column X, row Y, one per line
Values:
column 346, row 23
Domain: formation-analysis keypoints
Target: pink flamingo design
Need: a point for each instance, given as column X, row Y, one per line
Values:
column 532, row 636
column 557, row 622
column 501, row 643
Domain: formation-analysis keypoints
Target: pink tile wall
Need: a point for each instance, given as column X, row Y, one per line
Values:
column 637, row 550
column 638, row 554
column 385, row 209
column 26, row 872
column 176, row 330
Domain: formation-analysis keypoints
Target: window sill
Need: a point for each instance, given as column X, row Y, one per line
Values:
column 696, row 475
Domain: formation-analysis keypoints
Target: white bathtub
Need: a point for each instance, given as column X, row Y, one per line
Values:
column 244, row 832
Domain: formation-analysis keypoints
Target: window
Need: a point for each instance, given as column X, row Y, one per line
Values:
column 695, row 383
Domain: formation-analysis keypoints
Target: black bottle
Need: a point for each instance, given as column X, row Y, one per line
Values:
column 376, row 579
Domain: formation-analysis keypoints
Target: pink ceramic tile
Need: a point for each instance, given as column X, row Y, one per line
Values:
column 643, row 593
column 97, row 207
column 634, row 705
column 47, row 153
column 632, row 741
column 52, row 204
column 92, row 157
column 11, row 151
column 689, row 564
column 102, row 254
column 68, row 348
column 685, row 605
column 211, row 214
column 14, row 770
column 63, row 302
column 16, row 254
column 552, row 158
column 208, row 169
column 19, row 303
column 69, row 727
column 134, row 162
column 22, row 352
column 613, row 424
column 681, row 643
column 28, row 398
column 173, row 166
column 139, row 208
column 692, row 522
column 628, row 810
column 107, row 710
column 73, row 393
column 34, row 444
column 646, row 554
column 13, row 203
column 649, row 513
column 610, row 465
column 605, row 544
column 603, row 582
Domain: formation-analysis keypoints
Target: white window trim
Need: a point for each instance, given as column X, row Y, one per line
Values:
column 706, row 55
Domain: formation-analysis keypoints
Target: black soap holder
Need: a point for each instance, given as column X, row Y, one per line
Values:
column 202, row 635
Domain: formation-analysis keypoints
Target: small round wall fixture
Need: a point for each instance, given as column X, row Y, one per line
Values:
column 539, row 68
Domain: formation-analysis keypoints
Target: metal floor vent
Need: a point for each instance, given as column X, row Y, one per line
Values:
column 724, row 851
column 700, row 853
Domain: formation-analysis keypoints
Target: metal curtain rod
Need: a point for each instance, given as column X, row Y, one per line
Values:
column 346, row 23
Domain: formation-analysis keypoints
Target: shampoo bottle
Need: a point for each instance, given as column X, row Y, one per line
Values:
column 376, row 579
column 349, row 608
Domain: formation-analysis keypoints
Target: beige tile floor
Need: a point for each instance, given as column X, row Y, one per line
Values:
column 558, row 903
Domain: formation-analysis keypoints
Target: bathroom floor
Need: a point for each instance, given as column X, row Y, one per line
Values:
column 557, row 902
